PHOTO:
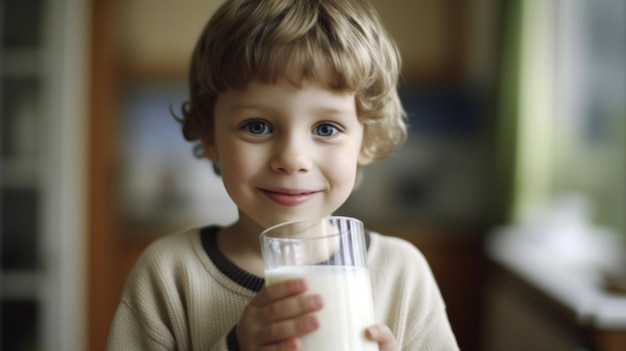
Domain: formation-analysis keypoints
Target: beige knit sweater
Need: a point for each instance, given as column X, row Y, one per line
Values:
column 184, row 295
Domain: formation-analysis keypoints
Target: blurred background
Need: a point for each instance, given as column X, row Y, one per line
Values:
column 512, row 182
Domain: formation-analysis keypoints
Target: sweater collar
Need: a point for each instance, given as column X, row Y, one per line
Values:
column 246, row 279
column 208, row 236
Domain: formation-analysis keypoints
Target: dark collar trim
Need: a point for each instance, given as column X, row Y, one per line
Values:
column 248, row 280
column 208, row 236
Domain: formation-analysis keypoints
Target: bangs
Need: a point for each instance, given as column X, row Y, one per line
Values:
column 309, row 61
column 297, row 45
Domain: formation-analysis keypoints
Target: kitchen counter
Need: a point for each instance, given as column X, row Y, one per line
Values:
column 555, row 284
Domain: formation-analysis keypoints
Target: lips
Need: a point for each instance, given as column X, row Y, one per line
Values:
column 289, row 197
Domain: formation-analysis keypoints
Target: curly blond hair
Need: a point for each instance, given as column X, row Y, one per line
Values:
column 338, row 43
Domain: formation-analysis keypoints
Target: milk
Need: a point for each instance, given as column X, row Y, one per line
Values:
column 348, row 307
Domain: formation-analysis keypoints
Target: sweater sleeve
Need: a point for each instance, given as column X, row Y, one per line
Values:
column 407, row 297
column 224, row 344
column 129, row 333
column 157, row 309
column 431, row 330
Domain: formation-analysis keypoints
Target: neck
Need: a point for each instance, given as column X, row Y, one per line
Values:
column 240, row 243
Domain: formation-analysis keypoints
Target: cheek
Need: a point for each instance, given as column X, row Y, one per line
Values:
column 235, row 176
column 344, row 166
column 239, row 163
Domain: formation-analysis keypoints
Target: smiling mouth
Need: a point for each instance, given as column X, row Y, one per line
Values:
column 289, row 197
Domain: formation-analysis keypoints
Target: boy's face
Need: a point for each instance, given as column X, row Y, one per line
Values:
column 286, row 152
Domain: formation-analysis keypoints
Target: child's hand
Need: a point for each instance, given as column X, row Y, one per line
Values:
column 383, row 336
column 277, row 316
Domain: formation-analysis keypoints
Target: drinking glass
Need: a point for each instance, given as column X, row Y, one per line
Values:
column 331, row 254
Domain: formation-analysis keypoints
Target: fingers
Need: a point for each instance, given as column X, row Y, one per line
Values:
column 287, row 308
column 291, row 344
column 383, row 336
column 281, row 301
column 277, row 316
column 279, row 291
column 287, row 329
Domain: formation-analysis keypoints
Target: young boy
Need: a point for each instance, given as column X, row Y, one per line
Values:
column 290, row 99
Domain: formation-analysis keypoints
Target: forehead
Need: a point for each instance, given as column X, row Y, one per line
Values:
column 285, row 94
column 283, row 99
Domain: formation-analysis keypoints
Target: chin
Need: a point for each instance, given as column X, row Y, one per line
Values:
column 289, row 218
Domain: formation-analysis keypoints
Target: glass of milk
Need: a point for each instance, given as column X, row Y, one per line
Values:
column 331, row 254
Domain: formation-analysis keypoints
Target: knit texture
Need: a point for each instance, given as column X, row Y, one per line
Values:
column 183, row 295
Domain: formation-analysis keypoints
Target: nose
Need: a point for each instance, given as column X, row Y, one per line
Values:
column 291, row 155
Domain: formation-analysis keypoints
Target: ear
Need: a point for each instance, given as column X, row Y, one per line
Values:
column 366, row 154
column 210, row 149
column 365, row 157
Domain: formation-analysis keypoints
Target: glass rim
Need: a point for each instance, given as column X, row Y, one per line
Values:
column 265, row 233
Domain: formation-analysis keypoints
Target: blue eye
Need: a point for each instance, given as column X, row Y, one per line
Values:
column 326, row 130
column 257, row 127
